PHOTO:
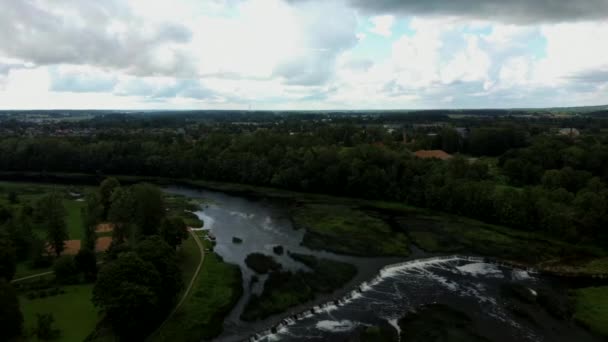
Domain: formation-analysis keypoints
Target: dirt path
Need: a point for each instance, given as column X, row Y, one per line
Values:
column 188, row 289
column 31, row 276
column 194, row 276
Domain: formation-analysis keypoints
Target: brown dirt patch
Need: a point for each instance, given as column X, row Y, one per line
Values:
column 104, row 228
column 73, row 246
column 103, row 243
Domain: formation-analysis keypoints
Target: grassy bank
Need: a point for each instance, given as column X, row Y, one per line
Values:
column 283, row 290
column 74, row 313
column 450, row 234
column 431, row 231
column 215, row 292
column 591, row 309
column 183, row 207
column 345, row 230
column 262, row 263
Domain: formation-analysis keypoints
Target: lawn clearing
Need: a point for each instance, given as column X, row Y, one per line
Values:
column 75, row 314
column 215, row 292
column 591, row 308
column 342, row 229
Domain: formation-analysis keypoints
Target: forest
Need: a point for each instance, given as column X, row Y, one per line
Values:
column 517, row 188
column 512, row 171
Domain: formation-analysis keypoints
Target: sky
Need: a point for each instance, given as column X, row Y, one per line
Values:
column 302, row 54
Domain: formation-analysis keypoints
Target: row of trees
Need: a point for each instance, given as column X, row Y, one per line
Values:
column 339, row 160
column 140, row 279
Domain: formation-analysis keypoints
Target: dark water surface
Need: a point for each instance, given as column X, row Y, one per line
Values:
column 383, row 290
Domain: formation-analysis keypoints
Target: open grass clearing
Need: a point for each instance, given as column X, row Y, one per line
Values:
column 74, row 313
column 216, row 290
column 591, row 308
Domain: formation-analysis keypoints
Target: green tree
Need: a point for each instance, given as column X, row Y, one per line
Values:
column 8, row 258
column 86, row 263
column 11, row 319
column 128, row 290
column 121, row 214
column 12, row 197
column 149, row 208
column 65, row 270
column 106, row 189
column 19, row 229
column 44, row 327
column 92, row 215
column 52, row 213
column 173, row 230
column 157, row 252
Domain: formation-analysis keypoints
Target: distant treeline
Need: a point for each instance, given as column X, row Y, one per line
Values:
column 535, row 180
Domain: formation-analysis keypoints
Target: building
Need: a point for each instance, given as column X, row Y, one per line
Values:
column 569, row 132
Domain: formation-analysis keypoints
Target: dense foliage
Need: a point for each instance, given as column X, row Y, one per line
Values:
column 539, row 181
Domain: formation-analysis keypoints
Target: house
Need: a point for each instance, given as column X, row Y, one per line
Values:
column 462, row 131
column 429, row 154
column 570, row 132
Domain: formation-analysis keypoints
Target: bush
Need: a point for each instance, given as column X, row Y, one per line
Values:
column 278, row 250
column 262, row 263
column 44, row 327
column 65, row 270
column 86, row 263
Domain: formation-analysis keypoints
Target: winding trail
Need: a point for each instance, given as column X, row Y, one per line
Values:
column 190, row 285
column 31, row 276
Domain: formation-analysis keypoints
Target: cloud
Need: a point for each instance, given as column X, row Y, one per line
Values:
column 512, row 11
column 165, row 88
column 80, row 80
column 322, row 40
column 102, row 33
column 383, row 25
column 591, row 76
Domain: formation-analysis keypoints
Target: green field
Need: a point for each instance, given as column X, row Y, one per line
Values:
column 74, row 218
column 74, row 312
column 591, row 308
column 183, row 207
column 451, row 234
column 215, row 292
column 283, row 290
column 342, row 229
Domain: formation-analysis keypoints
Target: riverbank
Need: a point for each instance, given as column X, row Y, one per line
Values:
column 435, row 233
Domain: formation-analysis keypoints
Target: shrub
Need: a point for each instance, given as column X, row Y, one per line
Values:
column 44, row 327
column 262, row 263
column 65, row 270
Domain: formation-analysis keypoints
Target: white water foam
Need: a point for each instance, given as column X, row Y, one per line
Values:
column 481, row 269
column 414, row 267
column 208, row 221
column 336, row 326
column 242, row 215
column 520, row 274
column 395, row 323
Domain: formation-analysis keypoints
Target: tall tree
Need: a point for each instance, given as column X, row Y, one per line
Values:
column 157, row 252
column 121, row 215
column 106, row 188
column 126, row 288
column 8, row 257
column 173, row 230
column 53, row 214
column 149, row 208
column 92, row 214
column 11, row 319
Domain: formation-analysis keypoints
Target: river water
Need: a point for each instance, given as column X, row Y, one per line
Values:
column 383, row 290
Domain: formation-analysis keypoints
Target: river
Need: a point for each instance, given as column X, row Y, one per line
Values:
column 383, row 290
